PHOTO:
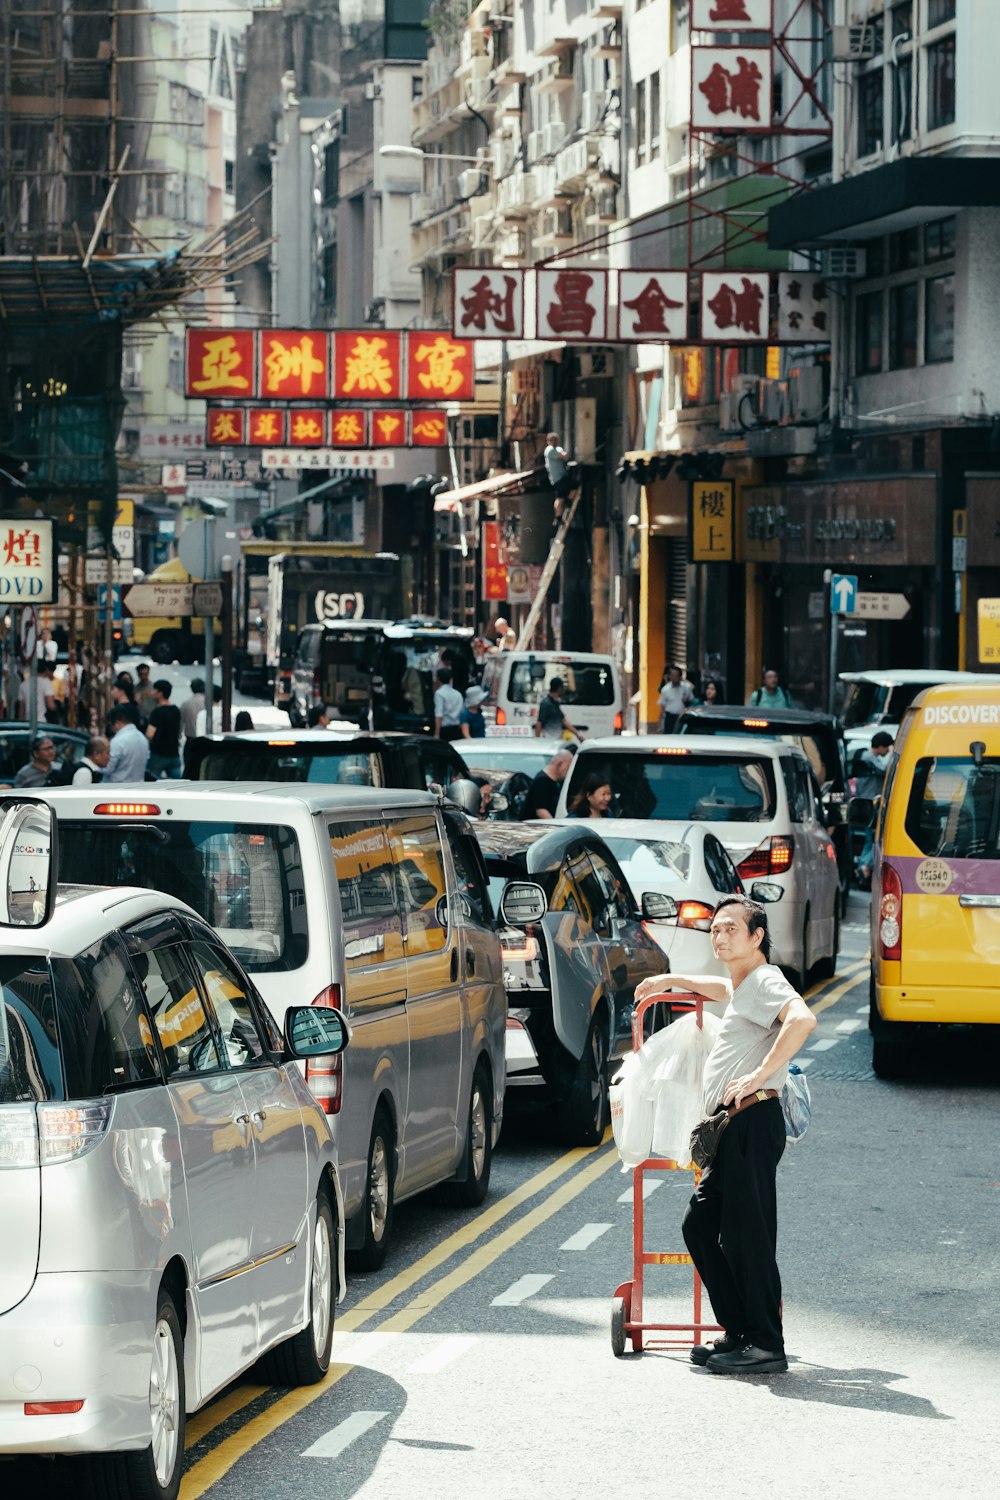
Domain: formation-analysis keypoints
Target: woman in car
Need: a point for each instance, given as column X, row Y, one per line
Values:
column 593, row 799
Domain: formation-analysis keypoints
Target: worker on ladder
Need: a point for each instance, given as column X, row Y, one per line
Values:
column 563, row 473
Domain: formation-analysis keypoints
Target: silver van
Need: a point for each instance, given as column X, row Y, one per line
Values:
column 373, row 901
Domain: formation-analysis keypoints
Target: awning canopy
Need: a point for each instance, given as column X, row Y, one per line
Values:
column 496, row 484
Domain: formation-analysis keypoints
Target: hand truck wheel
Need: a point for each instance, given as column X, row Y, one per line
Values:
column 618, row 1327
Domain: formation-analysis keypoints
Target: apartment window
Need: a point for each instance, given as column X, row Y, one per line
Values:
column 902, row 19
column 654, row 116
column 939, row 240
column 680, row 23
column 640, row 120
column 230, row 169
column 870, row 113
column 939, row 11
column 904, row 250
column 939, row 324
column 941, row 83
column 868, row 334
column 904, row 303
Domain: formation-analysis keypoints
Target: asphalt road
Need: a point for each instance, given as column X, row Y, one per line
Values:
column 479, row 1361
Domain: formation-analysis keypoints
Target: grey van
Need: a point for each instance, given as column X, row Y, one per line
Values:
column 373, row 901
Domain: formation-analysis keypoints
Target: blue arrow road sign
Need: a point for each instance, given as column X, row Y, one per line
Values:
column 102, row 602
column 844, row 593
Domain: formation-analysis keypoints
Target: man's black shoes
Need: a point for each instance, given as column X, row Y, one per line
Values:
column 702, row 1353
column 748, row 1360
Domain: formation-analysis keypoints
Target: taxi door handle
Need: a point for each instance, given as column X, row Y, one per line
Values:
column 454, row 964
column 241, row 1119
column 470, row 960
column 260, row 1114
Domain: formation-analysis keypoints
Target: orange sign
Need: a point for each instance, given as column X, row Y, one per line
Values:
column 439, row 366
column 226, row 427
column 306, row 427
column 347, row 429
column 429, row 429
column 368, row 366
column 388, row 428
column 294, row 365
column 265, row 426
column 219, row 362
column 494, row 562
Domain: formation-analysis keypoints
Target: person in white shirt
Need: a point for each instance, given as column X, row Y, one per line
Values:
column 92, row 765
column 676, row 695
column 448, row 706
column 202, row 723
column 129, row 746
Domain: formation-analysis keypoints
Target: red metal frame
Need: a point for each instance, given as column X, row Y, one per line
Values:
column 630, row 1293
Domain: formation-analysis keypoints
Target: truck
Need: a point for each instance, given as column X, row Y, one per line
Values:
column 280, row 587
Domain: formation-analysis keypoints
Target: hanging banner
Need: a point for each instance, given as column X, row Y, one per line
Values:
column 731, row 15
column 494, row 562
column 652, row 305
column 294, row 364
column 735, row 306
column 439, row 367
column 368, row 366
column 572, row 305
column 731, row 89
column 803, row 308
column 489, row 303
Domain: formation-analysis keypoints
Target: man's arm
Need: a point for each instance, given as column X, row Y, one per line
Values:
column 797, row 1023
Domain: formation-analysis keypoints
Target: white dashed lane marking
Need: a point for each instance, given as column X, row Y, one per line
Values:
column 824, row 1044
column 523, row 1288
column 853, row 1023
column 649, row 1186
column 585, row 1236
column 442, row 1355
column 333, row 1443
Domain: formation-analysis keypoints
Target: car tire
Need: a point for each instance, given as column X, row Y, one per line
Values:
column 378, row 1205
column 152, row 1473
column 165, row 648
column 584, row 1111
column 826, row 968
column 477, row 1159
column 890, row 1048
column 305, row 1358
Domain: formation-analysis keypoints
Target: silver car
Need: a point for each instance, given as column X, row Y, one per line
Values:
column 148, row 1107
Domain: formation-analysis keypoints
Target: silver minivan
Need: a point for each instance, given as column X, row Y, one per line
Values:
column 372, row 901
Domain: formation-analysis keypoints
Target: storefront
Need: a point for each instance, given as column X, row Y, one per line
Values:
column 979, row 590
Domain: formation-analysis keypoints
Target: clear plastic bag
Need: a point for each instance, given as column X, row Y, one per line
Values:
column 656, row 1098
column 796, row 1104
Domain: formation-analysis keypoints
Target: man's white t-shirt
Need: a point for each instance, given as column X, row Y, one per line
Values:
column 448, row 705
column 749, row 1027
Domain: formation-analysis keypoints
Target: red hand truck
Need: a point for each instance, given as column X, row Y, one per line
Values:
column 626, row 1309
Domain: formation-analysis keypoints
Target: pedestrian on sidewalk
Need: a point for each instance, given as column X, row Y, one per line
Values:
column 164, row 734
column 770, row 694
column 731, row 1225
column 676, row 694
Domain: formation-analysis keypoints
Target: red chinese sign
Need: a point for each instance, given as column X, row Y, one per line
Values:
column 227, row 427
column 439, row 367
column 652, row 305
column 731, row 88
column 735, row 306
column 294, row 364
column 306, row 427
column 368, row 366
column 803, row 308
column 572, row 305
column 388, row 428
column 731, row 15
column 494, row 562
column 220, row 362
column 489, row 303
column 27, row 562
column 429, row 429
column 265, row 426
column 348, row 429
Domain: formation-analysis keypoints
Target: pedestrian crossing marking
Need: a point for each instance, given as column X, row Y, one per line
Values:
column 522, row 1289
column 649, row 1186
column 333, row 1443
column 443, row 1354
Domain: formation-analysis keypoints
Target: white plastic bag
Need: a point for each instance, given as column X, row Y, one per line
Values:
column 796, row 1104
column 656, row 1097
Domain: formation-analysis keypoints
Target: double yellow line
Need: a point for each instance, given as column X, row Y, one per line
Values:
column 821, row 996
column 210, row 1469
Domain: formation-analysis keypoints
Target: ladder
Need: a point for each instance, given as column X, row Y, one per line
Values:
column 548, row 573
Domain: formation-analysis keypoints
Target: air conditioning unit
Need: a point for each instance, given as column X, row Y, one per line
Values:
column 594, row 103
column 482, row 232
column 771, row 402
column 853, row 43
column 512, row 245
column 554, row 133
column 845, row 262
column 536, row 144
column 515, row 193
column 738, row 405
column 475, row 43
column 471, row 182
column 805, row 394
column 503, row 152
column 574, row 161
column 479, row 91
column 555, row 227
column 375, row 311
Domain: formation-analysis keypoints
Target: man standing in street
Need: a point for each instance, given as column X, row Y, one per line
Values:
column 770, row 694
column 448, row 706
column 731, row 1226
column 129, row 746
column 550, row 720
column 676, row 695
column 543, row 794
column 164, row 734
column 192, row 707
column 145, row 695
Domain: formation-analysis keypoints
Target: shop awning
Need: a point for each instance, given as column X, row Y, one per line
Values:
column 496, row 484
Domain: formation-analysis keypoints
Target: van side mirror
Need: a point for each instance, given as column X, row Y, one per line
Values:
column 315, row 1031
column 28, row 861
column 657, row 907
column 523, row 902
column 861, row 812
column 766, row 891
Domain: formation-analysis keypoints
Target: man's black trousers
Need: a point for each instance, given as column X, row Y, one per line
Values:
column 731, row 1226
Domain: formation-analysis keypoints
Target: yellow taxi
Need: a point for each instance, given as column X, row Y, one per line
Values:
column 936, row 877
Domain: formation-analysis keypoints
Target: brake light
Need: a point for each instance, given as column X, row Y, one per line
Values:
column 890, row 916
column 619, row 723
column 522, row 946
column 325, row 1075
column 52, row 1408
column 695, row 914
column 772, row 856
column 66, row 1132
column 755, row 723
column 501, row 717
column 127, row 810
column 671, row 750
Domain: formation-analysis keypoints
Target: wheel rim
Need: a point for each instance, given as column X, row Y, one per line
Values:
column 598, row 1075
column 477, row 1132
column 322, row 1296
column 378, row 1189
column 164, row 1402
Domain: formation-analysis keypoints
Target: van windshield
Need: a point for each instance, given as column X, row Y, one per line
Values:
column 704, row 788
column 408, row 665
column 254, row 761
column 954, row 808
column 245, row 879
column 583, row 682
column 869, row 702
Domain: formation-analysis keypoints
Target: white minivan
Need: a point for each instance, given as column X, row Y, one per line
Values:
column 591, row 698
column 373, row 901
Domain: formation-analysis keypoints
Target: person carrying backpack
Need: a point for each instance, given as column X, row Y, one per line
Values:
column 770, row 694
column 92, row 764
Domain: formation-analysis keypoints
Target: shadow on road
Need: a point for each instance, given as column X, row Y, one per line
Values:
column 861, row 1390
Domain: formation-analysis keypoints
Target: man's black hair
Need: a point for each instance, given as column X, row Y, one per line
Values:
column 881, row 740
column 161, row 685
column 756, row 919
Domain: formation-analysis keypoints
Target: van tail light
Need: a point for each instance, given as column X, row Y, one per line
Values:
column 68, row 1131
column 501, row 717
column 18, row 1136
column 52, row 1408
column 890, row 916
column 519, row 945
column 772, row 856
column 619, row 723
column 325, row 1075
column 695, row 914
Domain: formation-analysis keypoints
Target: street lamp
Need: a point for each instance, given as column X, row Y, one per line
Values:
column 415, row 153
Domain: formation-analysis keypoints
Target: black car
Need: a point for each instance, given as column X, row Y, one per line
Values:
column 570, row 975
column 324, row 757
column 15, row 747
column 821, row 740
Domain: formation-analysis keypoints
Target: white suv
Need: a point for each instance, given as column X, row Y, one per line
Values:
column 759, row 798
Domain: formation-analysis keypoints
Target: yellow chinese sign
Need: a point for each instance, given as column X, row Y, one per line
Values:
column 712, row 520
column 989, row 631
